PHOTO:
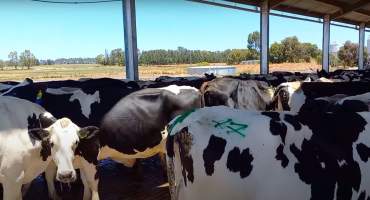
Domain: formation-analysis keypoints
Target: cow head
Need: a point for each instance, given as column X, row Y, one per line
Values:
column 288, row 96
column 59, row 139
column 240, row 94
column 219, row 92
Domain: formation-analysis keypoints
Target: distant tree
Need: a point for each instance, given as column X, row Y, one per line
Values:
column 347, row 54
column 117, row 57
column 50, row 62
column 277, row 53
column 334, row 61
column 292, row 49
column 2, row 64
column 237, row 55
column 27, row 59
column 254, row 41
column 309, row 51
column 100, row 59
column 106, row 57
column 13, row 59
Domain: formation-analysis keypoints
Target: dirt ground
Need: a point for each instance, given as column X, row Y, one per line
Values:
column 75, row 72
column 116, row 183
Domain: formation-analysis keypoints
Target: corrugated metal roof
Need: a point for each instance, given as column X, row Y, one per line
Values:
column 345, row 11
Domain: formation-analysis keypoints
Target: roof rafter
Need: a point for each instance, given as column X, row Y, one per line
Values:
column 274, row 3
column 347, row 8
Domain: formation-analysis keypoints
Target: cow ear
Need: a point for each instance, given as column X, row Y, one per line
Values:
column 39, row 134
column 88, row 132
column 46, row 119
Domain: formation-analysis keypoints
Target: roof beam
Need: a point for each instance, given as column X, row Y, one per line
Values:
column 349, row 8
column 274, row 3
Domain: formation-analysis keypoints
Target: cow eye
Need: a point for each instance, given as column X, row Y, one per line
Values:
column 51, row 144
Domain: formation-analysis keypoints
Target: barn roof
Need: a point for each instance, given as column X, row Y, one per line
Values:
column 352, row 12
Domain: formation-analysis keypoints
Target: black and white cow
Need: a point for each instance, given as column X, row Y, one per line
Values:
column 235, row 93
column 269, row 155
column 292, row 96
column 132, row 129
column 30, row 138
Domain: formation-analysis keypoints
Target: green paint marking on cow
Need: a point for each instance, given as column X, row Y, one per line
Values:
column 232, row 126
column 179, row 119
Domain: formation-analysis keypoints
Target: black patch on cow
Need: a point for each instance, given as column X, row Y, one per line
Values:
column 273, row 115
column 36, row 132
column 46, row 121
column 281, row 156
column 316, row 105
column 213, row 152
column 242, row 163
column 326, row 159
column 321, row 89
column 278, row 128
column 354, row 106
column 169, row 146
column 184, row 140
column 45, row 149
column 363, row 151
column 291, row 119
column 362, row 196
column 284, row 98
column 33, row 122
column 89, row 144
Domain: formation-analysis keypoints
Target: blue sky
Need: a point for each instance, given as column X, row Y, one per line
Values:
column 55, row 30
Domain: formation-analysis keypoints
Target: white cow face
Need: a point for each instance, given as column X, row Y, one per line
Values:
column 288, row 96
column 63, row 141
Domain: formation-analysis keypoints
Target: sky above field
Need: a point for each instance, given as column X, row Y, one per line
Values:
column 56, row 30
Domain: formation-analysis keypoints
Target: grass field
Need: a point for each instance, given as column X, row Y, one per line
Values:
column 74, row 72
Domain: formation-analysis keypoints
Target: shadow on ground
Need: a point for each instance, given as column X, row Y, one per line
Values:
column 116, row 183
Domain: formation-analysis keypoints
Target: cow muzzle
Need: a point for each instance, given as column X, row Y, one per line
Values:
column 66, row 176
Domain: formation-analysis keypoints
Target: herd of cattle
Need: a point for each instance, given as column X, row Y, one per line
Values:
column 276, row 136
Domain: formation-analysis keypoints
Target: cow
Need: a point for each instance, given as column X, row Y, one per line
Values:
column 132, row 129
column 20, row 90
column 235, row 93
column 268, row 155
column 30, row 138
column 292, row 96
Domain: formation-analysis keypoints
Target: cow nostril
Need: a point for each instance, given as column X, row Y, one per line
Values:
column 66, row 175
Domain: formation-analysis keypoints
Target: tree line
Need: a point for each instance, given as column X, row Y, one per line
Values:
column 289, row 49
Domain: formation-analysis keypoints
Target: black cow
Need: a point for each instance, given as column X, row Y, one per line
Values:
column 235, row 93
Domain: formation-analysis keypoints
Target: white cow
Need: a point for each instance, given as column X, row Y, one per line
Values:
column 29, row 139
column 221, row 153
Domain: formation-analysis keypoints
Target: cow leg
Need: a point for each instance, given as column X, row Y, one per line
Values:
column 12, row 190
column 87, row 191
column 25, row 188
column 50, row 174
column 95, row 195
column 162, row 158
